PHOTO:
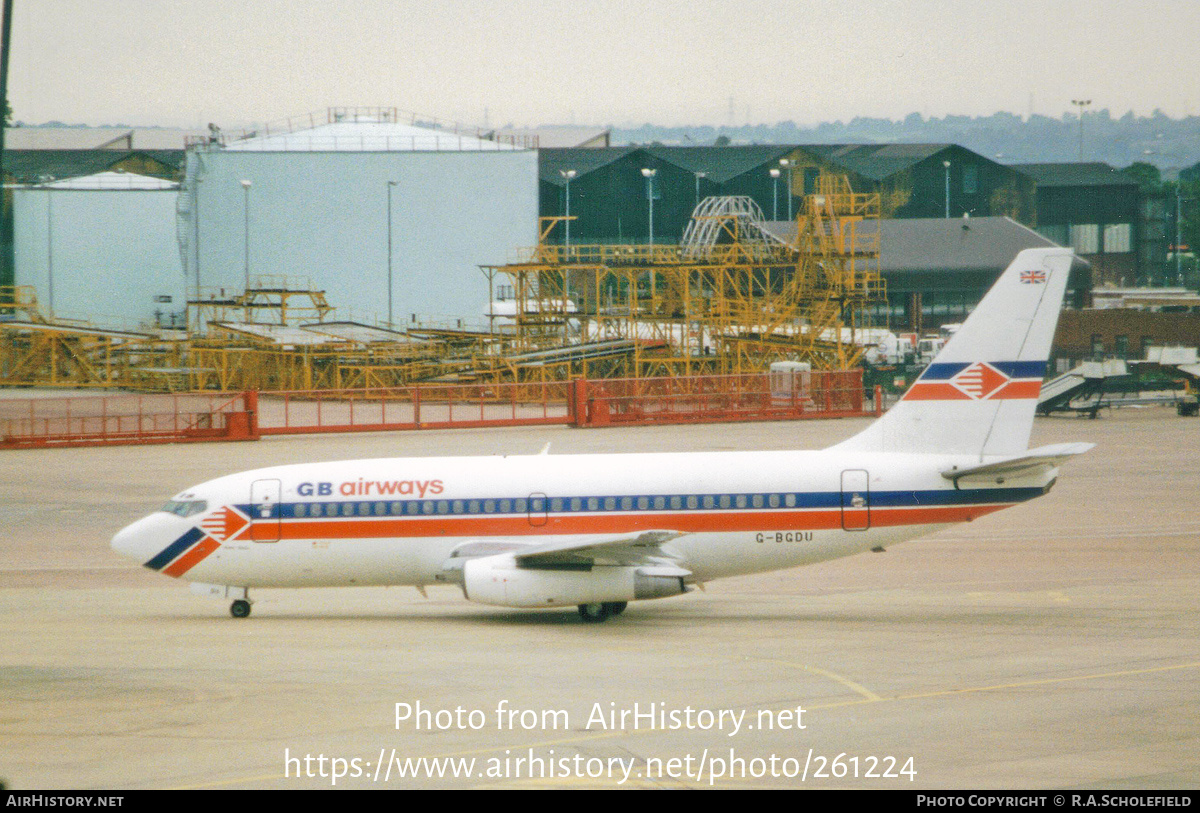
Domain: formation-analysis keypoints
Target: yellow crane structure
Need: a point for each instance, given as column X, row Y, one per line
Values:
column 732, row 297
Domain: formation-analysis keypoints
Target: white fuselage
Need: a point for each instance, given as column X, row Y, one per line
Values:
column 398, row 521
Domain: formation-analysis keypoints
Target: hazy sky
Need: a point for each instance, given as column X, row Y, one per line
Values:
column 187, row 62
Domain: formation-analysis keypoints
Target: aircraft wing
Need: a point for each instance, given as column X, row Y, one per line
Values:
column 635, row 549
column 1032, row 463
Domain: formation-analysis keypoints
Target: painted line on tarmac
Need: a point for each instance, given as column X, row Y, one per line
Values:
column 591, row 737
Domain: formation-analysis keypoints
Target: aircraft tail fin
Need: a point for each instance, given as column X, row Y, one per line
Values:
column 979, row 394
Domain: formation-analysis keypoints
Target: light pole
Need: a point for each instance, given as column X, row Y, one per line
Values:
column 649, row 176
column 1178, row 253
column 946, row 164
column 390, row 185
column 774, row 172
column 49, row 247
column 788, row 164
column 246, row 227
column 699, row 175
column 568, row 174
column 1081, row 103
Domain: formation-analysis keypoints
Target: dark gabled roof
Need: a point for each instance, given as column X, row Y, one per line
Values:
column 1075, row 174
column 876, row 161
column 34, row 166
column 721, row 164
column 953, row 245
column 552, row 162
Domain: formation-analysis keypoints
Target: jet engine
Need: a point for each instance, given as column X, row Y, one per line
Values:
column 498, row 580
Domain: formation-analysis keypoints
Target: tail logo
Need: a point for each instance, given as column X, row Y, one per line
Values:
column 1033, row 277
column 980, row 380
column 224, row 524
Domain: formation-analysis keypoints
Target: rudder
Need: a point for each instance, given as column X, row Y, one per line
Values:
column 980, row 393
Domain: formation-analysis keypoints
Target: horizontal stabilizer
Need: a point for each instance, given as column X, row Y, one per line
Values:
column 1030, row 464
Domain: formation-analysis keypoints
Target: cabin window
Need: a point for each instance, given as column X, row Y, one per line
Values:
column 757, row 501
column 556, row 504
column 741, row 501
column 693, row 502
column 489, row 506
column 347, row 509
column 773, row 500
column 626, row 503
column 412, row 507
column 643, row 503
column 505, row 506
column 473, row 507
column 576, row 504
column 789, row 500
column 519, row 506
column 364, row 509
column 427, row 507
column 660, row 502
column 301, row 510
column 443, row 506
column 724, row 501
column 708, row 501
column 677, row 502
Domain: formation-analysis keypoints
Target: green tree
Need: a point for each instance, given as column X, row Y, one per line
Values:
column 1148, row 176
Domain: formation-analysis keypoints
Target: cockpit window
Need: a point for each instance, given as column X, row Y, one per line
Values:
column 185, row 508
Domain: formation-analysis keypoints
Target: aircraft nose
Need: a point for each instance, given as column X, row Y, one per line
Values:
column 141, row 540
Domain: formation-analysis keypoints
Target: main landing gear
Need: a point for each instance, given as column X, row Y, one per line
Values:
column 240, row 608
column 595, row 613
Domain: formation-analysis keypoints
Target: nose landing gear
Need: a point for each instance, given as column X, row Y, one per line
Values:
column 240, row 608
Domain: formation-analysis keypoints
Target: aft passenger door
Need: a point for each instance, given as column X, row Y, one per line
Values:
column 856, row 500
column 264, row 510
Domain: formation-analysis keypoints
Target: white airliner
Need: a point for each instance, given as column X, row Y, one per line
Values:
column 598, row 531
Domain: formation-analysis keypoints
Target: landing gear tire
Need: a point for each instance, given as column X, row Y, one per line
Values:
column 615, row 608
column 594, row 613
column 240, row 608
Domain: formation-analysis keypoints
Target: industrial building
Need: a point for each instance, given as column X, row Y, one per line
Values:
column 72, row 246
column 389, row 217
column 936, row 270
column 1094, row 209
column 610, row 194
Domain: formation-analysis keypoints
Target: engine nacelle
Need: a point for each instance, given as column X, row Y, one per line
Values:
column 498, row 580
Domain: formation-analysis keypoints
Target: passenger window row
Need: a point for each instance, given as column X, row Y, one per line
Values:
column 540, row 505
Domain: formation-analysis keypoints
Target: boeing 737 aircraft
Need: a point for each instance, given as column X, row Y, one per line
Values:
column 598, row 531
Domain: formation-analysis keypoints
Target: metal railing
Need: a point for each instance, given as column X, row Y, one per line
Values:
column 131, row 419
column 126, row 419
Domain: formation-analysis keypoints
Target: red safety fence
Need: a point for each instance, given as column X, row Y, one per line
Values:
column 33, row 422
column 427, row 406
column 126, row 419
column 786, row 395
